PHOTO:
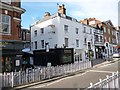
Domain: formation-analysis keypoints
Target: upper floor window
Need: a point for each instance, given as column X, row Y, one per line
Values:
column 5, row 23
column 76, row 30
column 77, row 43
column 66, row 28
column 108, row 30
column 104, row 29
column 85, row 40
column 96, row 38
column 23, row 35
column 101, row 38
column 42, row 30
column 31, row 44
column 90, row 31
column 42, row 43
column 84, row 30
column 66, row 42
column 35, row 33
column 114, row 33
column 6, row 1
column 35, row 44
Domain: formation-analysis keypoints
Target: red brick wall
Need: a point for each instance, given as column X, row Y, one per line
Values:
column 13, row 26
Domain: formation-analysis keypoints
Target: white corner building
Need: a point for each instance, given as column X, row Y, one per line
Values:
column 62, row 31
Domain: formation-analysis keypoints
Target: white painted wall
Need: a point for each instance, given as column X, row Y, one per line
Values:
column 59, row 35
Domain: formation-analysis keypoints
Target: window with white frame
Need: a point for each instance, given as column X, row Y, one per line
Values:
column 84, row 30
column 104, row 29
column 90, row 31
column 101, row 38
column 96, row 38
column 42, row 30
column 108, row 30
column 35, row 44
column 109, row 39
column 85, row 40
column 114, row 33
column 6, row 1
column 77, row 43
column 42, row 43
column 66, row 28
column 5, row 23
column 66, row 42
column 76, row 30
column 35, row 33
column 31, row 44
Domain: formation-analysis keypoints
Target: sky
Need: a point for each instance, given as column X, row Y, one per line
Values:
column 79, row 9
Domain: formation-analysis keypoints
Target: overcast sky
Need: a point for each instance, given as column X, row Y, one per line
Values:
column 79, row 9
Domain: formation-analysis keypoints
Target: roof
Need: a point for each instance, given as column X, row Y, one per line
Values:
column 108, row 22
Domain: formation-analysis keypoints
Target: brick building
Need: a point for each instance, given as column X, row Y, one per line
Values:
column 10, row 32
column 109, row 32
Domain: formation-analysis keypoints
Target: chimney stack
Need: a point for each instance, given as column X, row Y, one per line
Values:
column 62, row 9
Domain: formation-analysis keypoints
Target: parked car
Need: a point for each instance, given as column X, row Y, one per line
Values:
column 116, row 55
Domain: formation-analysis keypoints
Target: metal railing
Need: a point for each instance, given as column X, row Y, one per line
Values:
column 42, row 73
column 109, row 82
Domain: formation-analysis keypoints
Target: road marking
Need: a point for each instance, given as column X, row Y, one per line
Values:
column 101, row 71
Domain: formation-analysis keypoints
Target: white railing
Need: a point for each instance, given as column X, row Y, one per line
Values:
column 109, row 82
column 33, row 75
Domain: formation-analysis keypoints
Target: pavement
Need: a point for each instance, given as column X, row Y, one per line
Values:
column 95, row 63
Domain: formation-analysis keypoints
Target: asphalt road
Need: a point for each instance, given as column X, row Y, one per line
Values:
column 84, row 79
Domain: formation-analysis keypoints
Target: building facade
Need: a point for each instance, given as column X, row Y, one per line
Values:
column 110, row 36
column 62, row 31
column 118, row 38
column 109, row 32
column 10, row 33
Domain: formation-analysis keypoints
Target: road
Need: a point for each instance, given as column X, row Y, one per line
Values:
column 82, row 80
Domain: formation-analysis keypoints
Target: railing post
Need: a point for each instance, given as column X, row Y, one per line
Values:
column 26, row 75
column 33, row 77
column 107, row 81
column 4, row 80
column 91, row 85
column 19, row 77
column 12, row 79
column 113, row 80
column 100, row 83
column 117, row 81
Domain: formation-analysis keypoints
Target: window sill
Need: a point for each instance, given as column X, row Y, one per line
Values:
column 5, row 33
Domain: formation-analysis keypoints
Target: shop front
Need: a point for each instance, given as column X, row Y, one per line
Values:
column 56, row 56
column 99, row 51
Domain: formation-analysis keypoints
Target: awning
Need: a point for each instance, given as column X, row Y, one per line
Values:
column 27, row 50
